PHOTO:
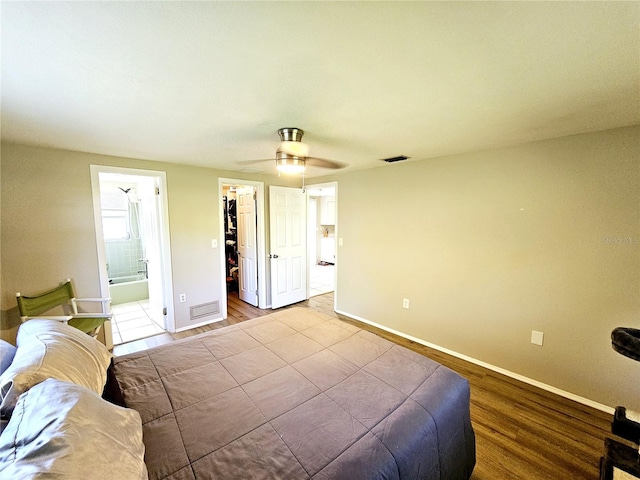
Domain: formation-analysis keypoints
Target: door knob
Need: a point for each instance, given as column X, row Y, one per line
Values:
column 273, row 256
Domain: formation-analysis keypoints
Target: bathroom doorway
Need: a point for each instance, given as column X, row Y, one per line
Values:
column 133, row 248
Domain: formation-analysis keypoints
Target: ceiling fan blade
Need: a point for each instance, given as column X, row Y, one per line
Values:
column 310, row 161
column 324, row 163
column 255, row 162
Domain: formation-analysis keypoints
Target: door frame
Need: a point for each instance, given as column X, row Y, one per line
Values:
column 333, row 185
column 163, row 227
column 261, row 270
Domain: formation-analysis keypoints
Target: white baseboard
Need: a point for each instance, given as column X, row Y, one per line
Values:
column 517, row 376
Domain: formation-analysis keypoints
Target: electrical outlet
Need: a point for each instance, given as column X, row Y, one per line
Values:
column 537, row 337
column 183, row 297
column 405, row 303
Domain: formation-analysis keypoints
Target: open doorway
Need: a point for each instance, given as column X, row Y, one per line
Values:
column 133, row 250
column 321, row 237
column 243, row 242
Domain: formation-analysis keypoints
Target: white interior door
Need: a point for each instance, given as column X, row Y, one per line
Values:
column 288, row 213
column 247, row 249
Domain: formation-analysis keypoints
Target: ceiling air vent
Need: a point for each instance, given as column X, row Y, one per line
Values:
column 399, row 158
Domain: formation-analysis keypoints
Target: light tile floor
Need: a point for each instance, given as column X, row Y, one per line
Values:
column 321, row 279
column 135, row 320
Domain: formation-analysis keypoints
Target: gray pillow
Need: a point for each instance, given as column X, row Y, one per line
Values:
column 62, row 430
column 51, row 349
column 7, row 352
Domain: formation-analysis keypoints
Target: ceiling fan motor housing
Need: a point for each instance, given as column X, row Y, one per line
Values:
column 283, row 158
column 291, row 134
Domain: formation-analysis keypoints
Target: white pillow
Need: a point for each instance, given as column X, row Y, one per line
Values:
column 62, row 430
column 7, row 352
column 50, row 349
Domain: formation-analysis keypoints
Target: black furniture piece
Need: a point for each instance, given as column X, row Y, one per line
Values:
column 620, row 460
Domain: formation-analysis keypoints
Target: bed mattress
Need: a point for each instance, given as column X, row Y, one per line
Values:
column 293, row 395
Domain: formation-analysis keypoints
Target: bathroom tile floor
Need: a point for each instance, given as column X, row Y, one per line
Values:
column 321, row 279
column 135, row 320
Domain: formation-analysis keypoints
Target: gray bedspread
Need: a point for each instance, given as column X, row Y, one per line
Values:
column 293, row 395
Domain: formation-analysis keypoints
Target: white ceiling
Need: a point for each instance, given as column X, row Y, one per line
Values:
column 210, row 83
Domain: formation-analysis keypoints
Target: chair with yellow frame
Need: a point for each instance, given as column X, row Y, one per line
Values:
column 63, row 298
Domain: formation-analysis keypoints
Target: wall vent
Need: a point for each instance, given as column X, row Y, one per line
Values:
column 205, row 310
column 399, row 158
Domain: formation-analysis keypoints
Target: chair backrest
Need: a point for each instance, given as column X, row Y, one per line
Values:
column 43, row 302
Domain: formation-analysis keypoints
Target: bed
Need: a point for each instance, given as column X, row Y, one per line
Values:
column 292, row 395
column 297, row 394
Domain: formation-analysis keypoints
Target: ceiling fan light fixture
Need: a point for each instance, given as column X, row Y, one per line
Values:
column 289, row 164
column 297, row 149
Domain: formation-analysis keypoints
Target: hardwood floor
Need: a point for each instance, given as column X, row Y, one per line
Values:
column 522, row 432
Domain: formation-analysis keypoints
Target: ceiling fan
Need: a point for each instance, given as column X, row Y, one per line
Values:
column 292, row 155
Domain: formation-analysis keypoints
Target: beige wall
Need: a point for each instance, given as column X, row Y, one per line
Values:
column 487, row 246
column 48, row 235
column 492, row 245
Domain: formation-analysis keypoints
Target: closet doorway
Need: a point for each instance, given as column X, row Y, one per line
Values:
column 321, row 237
column 242, row 224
